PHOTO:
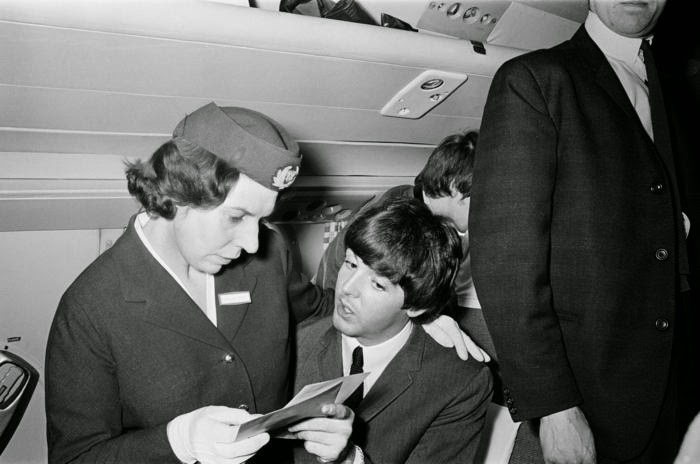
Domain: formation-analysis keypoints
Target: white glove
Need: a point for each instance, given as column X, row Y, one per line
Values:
column 207, row 435
column 447, row 333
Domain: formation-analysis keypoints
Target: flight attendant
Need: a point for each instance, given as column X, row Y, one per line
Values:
column 181, row 331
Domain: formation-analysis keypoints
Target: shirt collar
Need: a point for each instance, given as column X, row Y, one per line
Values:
column 378, row 355
column 617, row 46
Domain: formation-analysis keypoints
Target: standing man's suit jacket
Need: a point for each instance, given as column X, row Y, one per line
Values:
column 129, row 350
column 577, row 241
column 428, row 406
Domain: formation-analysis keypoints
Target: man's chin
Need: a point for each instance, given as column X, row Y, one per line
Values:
column 341, row 325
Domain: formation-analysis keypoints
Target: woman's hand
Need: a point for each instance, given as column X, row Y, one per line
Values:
column 208, row 435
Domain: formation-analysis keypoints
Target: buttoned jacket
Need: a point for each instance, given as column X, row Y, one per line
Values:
column 129, row 350
column 577, row 241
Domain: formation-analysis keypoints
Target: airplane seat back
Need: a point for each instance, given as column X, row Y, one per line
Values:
column 18, row 379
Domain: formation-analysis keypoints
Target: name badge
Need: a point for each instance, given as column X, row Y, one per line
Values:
column 234, row 298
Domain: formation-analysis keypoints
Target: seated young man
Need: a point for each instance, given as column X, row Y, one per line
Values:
column 420, row 403
column 444, row 185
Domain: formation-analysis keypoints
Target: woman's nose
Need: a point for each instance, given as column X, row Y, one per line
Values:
column 248, row 236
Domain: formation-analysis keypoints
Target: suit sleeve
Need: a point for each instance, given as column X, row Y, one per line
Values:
column 510, row 230
column 84, row 422
column 453, row 437
column 306, row 300
column 333, row 257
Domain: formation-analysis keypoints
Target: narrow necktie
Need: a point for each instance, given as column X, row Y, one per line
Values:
column 647, row 58
column 356, row 368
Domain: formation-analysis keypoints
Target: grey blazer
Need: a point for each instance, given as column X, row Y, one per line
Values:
column 428, row 406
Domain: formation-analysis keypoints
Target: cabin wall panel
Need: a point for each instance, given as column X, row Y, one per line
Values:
column 65, row 111
column 61, row 166
column 38, row 267
column 17, row 140
column 86, row 60
column 81, row 210
column 255, row 28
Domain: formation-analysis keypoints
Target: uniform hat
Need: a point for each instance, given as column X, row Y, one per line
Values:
column 249, row 141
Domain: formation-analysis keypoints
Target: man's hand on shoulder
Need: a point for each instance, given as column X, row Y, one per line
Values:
column 566, row 438
column 445, row 331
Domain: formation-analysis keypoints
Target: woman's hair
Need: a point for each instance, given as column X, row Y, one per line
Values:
column 451, row 165
column 180, row 173
column 404, row 242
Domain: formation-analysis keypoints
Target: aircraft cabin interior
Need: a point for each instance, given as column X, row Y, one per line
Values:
column 88, row 85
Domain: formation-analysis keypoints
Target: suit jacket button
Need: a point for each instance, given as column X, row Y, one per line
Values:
column 661, row 324
column 244, row 407
column 656, row 187
column 661, row 254
column 228, row 358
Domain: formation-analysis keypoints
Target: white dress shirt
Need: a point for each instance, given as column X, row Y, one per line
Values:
column 464, row 282
column 624, row 55
column 375, row 357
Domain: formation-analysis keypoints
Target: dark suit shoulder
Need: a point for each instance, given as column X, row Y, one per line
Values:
column 100, row 279
column 540, row 63
column 443, row 363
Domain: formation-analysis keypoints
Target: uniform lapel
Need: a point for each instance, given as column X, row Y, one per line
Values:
column 154, row 296
column 606, row 78
column 603, row 73
column 230, row 317
column 396, row 378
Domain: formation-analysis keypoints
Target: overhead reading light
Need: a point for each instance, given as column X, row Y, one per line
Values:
column 423, row 93
column 432, row 84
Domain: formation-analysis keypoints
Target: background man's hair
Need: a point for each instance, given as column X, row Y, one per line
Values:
column 451, row 164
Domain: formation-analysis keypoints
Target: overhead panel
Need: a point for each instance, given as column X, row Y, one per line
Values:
column 95, row 84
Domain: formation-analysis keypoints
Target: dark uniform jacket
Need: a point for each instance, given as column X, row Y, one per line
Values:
column 129, row 350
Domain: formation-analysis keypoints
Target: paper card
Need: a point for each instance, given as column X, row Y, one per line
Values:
column 234, row 298
column 306, row 404
column 348, row 384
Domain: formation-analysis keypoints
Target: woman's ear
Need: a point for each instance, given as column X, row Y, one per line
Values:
column 415, row 312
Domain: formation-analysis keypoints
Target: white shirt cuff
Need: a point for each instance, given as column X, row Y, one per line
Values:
column 359, row 456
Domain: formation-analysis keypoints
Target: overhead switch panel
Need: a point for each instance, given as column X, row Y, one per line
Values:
column 423, row 94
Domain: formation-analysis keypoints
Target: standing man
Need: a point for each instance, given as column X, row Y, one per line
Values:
column 580, row 228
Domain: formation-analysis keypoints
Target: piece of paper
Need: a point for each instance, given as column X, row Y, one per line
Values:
column 305, row 405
